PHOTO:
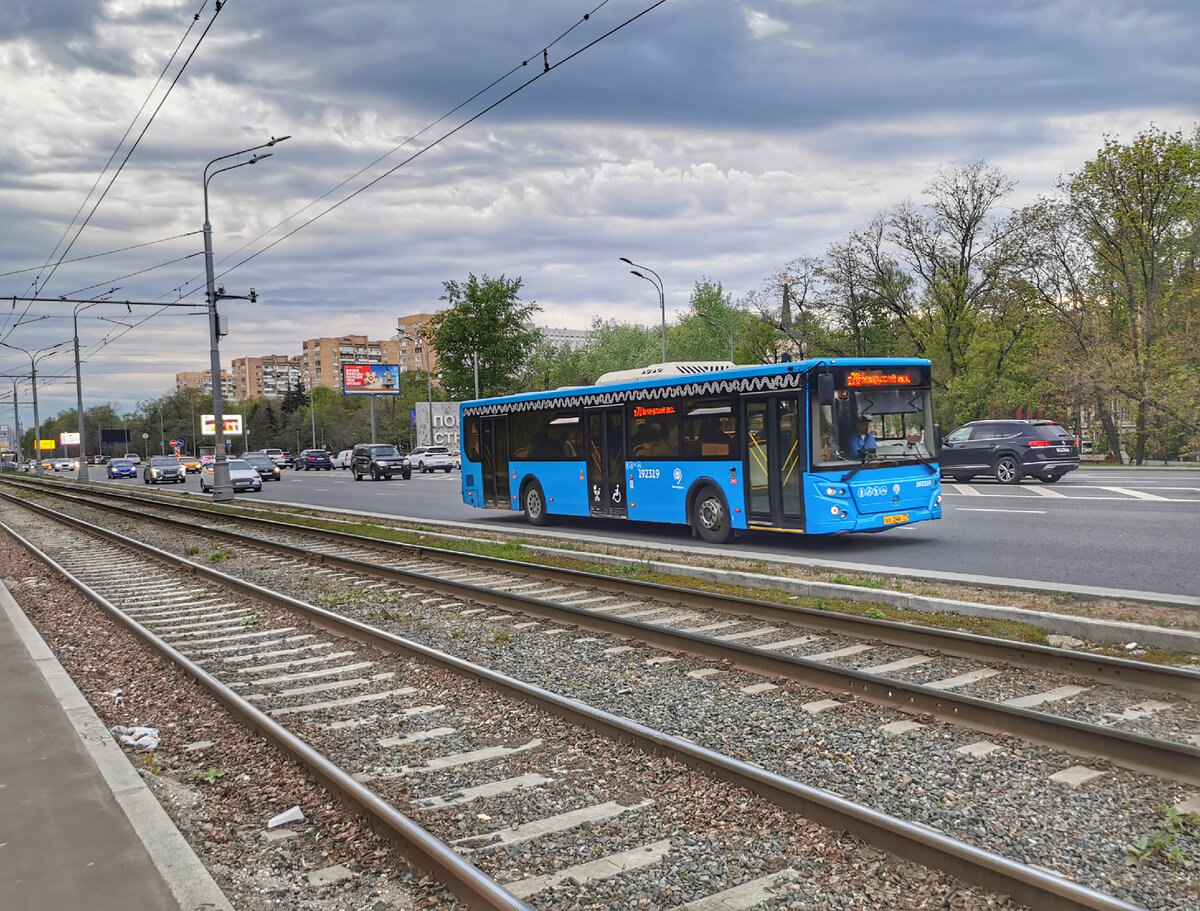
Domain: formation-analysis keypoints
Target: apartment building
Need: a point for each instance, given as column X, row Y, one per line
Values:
column 202, row 380
column 322, row 358
column 414, row 352
column 269, row 376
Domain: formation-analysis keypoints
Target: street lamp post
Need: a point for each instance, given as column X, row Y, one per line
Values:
column 312, row 408
column 420, row 343
column 726, row 329
column 82, row 473
column 222, row 488
column 34, row 357
column 662, row 301
column 16, row 420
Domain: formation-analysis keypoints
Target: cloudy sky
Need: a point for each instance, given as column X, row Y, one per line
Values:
column 704, row 139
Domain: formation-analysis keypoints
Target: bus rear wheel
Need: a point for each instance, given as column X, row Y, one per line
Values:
column 710, row 516
column 534, row 503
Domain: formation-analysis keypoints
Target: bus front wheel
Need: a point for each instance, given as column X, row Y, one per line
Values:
column 710, row 517
column 534, row 502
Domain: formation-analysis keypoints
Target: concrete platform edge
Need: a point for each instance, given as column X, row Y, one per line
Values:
column 189, row 880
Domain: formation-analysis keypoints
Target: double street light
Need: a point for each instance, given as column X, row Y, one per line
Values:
column 420, row 343
column 662, row 302
column 38, row 354
column 222, row 488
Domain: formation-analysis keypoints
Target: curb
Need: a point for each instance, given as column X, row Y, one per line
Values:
column 185, row 875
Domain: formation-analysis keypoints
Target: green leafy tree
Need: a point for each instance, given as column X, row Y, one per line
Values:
column 485, row 319
column 1137, row 206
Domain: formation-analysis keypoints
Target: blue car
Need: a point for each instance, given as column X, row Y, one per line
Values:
column 122, row 468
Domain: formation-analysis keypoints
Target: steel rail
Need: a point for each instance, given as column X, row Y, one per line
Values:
column 1029, row 885
column 470, row 885
column 1117, row 671
column 1167, row 759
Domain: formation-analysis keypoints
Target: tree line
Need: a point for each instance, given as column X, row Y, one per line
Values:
column 1083, row 307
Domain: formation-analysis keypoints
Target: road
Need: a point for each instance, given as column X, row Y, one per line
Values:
column 1120, row 528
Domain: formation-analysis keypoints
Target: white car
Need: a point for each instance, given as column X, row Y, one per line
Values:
column 242, row 475
column 432, row 458
column 342, row 459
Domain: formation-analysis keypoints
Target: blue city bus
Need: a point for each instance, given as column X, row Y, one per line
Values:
column 718, row 447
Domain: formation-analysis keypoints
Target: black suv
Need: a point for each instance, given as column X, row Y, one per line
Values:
column 379, row 460
column 1009, row 450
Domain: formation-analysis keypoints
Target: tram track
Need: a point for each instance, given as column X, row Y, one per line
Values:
column 324, row 575
column 180, row 615
column 721, row 628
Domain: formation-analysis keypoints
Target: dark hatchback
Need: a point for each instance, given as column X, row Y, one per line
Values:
column 1009, row 450
column 314, row 459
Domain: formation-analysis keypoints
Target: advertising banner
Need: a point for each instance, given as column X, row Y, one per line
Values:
column 370, row 379
column 69, row 439
column 112, row 436
column 437, row 424
column 47, row 444
column 232, row 422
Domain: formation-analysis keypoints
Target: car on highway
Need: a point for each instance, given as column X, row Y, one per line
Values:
column 8, row 465
column 379, row 460
column 121, row 468
column 190, row 463
column 264, row 465
column 314, row 460
column 342, row 459
column 163, row 470
column 100, row 460
column 432, row 458
column 241, row 475
column 63, row 464
column 1009, row 450
column 133, row 457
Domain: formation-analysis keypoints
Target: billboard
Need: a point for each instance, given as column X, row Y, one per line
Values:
column 69, row 439
column 370, row 379
column 232, row 422
column 47, row 444
column 112, row 436
column 436, row 423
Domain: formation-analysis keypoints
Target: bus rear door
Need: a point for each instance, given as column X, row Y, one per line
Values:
column 774, row 461
column 606, row 461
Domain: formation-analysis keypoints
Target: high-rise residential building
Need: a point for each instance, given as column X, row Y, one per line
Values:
column 415, row 351
column 322, row 358
column 269, row 376
column 572, row 338
column 202, row 380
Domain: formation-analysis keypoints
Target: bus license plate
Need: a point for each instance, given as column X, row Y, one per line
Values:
column 896, row 519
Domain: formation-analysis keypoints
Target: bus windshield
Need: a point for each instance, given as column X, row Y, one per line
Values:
column 884, row 425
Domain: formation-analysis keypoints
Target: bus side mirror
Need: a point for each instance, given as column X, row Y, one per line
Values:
column 825, row 388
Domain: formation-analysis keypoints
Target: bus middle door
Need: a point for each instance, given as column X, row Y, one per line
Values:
column 606, row 461
column 494, row 457
column 775, row 447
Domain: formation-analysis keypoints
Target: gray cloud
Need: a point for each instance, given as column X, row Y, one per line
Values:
column 709, row 139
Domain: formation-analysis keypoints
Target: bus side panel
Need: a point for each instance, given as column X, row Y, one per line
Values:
column 658, row 490
column 563, row 483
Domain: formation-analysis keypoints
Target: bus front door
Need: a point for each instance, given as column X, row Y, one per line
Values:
column 606, row 461
column 774, row 460
column 493, row 443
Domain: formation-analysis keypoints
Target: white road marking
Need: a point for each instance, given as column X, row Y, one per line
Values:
column 1135, row 493
column 1035, row 512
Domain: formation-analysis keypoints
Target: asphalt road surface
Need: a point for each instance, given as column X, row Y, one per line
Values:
column 1133, row 529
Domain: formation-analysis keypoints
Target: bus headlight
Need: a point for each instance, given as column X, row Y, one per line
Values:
column 835, row 510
